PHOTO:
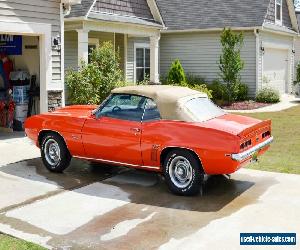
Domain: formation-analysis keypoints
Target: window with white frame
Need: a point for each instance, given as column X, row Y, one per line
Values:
column 278, row 11
column 142, row 62
column 93, row 44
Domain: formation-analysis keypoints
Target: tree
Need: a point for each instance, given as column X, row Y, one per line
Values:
column 176, row 74
column 93, row 82
column 230, row 63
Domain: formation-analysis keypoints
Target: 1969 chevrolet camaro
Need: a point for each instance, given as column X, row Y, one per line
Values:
column 176, row 131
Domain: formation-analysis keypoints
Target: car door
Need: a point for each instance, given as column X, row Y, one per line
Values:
column 113, row 134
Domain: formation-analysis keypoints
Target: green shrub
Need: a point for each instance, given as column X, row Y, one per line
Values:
column 297, row 74
column 93, row 82
column 176, row 74
column 241, row 92
column 218, row 89
column 203, row 88
column 230, row 63
column 268, row 95
column 193, row 80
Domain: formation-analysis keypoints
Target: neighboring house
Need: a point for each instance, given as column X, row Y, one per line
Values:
column 133, row 26
column 190, row 31
column 37, row 23
column 269, row 27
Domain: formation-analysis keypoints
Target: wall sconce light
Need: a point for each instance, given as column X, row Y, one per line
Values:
column 262, row 49
column 293, row 51
column 56, row 43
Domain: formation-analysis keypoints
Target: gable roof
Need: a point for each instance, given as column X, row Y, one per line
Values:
column 126, row 8
column 81, row 10
column 199, row 14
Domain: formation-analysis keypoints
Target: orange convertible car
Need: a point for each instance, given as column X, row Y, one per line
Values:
column 173, row 130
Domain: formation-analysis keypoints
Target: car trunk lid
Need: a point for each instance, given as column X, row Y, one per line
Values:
column 250, row 130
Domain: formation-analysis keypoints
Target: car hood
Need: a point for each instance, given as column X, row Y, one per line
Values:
column 235, row 124
column 79, row 111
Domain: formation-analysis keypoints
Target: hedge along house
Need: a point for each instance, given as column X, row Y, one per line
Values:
column 193, row 36
column 40, row 25
column 133, row 27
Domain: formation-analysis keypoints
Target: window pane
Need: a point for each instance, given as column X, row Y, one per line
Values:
column 151, row 111
column 90, row 49
column 147, row 73
column 124, row 107
column 278, row 9
column 147, row 58
column 139, row 57
column 140, row 75
column 278, row 12
column 203, row 109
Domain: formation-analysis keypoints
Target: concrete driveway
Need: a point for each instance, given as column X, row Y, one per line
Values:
column 103, row 207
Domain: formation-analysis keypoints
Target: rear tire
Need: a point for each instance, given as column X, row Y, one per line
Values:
column 55, row 154
column 183, row 173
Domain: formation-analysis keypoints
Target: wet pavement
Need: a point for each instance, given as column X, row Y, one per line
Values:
column 105, row 207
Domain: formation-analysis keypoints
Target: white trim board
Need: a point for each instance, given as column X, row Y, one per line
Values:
column 136, row 46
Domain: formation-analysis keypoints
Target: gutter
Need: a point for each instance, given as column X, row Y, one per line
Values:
column 168, row 31
column 276, row 30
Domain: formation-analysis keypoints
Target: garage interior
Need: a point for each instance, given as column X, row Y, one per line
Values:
column 19, row 80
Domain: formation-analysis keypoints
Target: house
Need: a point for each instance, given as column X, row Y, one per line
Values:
column 190, row 31
column 133, row 26
column 269, row 26
column 30, row 33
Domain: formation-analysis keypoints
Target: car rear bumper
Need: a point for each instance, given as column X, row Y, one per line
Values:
column 245, row 155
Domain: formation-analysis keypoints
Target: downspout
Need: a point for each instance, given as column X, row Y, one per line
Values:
column 257, row 51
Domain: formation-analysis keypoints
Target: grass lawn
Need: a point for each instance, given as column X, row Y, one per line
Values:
column 284, row 154
column 10, row 243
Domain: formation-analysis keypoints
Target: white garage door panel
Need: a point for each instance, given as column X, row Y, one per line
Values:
column 275, row 69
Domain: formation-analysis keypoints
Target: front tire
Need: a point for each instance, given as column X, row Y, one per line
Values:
column 55, row 154
column 183, row 173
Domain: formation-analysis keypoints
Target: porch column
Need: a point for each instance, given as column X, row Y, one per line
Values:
column 83, row 46
column 154, row 59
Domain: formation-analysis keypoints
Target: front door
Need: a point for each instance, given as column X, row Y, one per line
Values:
column 114, row 133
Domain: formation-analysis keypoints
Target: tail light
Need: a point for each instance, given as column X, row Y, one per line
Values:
column 246, row 144
column 266, row 134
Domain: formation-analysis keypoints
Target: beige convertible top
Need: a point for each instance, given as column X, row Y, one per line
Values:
column 169, row 99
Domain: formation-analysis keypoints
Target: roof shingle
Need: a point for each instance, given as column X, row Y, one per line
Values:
column 199, row 14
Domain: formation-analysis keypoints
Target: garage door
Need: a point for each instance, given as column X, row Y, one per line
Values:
column 275, row 69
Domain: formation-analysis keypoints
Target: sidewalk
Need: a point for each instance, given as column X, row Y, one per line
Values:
column 287, row 101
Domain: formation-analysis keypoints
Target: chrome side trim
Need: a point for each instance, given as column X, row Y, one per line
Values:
column 244, row 155
column 115, row 162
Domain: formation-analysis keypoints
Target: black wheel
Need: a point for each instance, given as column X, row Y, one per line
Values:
column 55, row 154
column 183, row 173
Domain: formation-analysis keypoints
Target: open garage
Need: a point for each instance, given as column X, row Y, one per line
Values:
column 31, row 52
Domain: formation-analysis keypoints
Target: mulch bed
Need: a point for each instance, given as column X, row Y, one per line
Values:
column 246, row 105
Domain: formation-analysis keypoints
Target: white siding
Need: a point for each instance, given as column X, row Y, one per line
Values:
column 269, row 40
column 130, row 56
column 71, row 50
column 199, row 54
column 36, row 11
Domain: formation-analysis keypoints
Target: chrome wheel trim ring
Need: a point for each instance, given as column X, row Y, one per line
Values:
column 181, row 172
column 52, row 152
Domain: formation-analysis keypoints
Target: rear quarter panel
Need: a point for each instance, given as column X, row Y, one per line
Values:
column 210, row 145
